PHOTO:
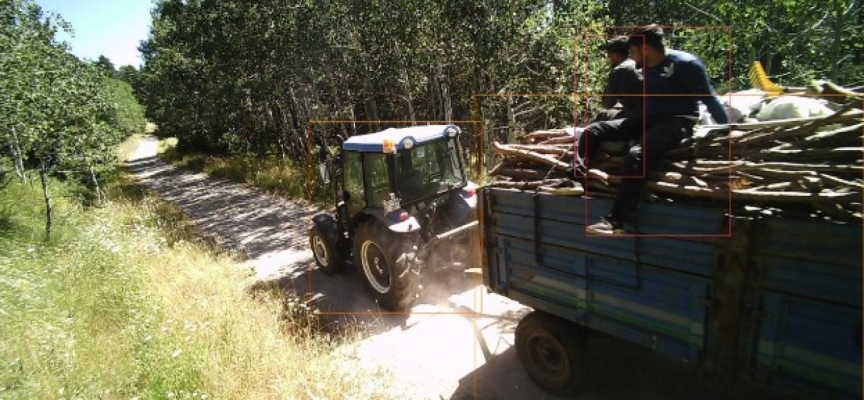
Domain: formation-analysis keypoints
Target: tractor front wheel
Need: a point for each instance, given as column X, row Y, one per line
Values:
column 328, row 259
column 384, row 261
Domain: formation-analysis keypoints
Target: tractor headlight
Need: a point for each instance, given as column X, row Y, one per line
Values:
column 407, row 143
column 451, row 131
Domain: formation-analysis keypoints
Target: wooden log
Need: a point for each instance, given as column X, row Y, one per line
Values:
column 781, row 123
column 850, row 134
column 838, row 93
column 845, row 182
column 537, row 136
column 529, row 155
column 542, row 149
column 759, row 196
column 841, row 116
column 699, row 166
column 526, row 173
column 560, row 140
column 527, row 185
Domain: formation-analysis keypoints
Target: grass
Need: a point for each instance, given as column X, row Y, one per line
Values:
column 286, row 178
column 124, row 301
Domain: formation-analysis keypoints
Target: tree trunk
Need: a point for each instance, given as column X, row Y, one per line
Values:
column 43, row 176
column 353, row 116
column 445, row 94
column 435, row 93
column 297, row 120
column 95, row 182
column 371, row 105
column 409, row 98
column 839, row 19
column 18, row 159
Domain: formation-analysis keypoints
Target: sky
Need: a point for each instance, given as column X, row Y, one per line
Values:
column 112, row 28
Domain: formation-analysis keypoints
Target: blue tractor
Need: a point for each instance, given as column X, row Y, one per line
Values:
column 403, row 205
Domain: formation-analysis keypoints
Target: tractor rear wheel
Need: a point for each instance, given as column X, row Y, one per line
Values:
column 383, row 259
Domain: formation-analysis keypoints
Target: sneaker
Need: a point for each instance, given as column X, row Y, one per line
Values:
column 606, row 226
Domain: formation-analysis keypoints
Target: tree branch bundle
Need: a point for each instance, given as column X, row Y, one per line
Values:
column 815, row 165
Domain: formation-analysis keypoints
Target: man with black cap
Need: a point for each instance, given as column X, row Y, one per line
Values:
column 674, row 82
column 623, row 79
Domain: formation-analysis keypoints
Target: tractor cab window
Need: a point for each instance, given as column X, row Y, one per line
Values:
column 353, row 183
column 377, row 179
column 428, row 169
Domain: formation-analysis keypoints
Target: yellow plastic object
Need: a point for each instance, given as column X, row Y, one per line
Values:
column 759, row 79
column 388, row 146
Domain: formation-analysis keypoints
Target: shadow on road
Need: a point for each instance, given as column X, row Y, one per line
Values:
column 616, row 370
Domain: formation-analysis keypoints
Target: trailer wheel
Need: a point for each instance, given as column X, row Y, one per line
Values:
column 382, row 258
column 552, row 352
column 328, row 260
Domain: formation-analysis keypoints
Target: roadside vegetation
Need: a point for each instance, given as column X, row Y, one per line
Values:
column 108, row 292
column 124, row 301
column 362, row 63
column 285, row 178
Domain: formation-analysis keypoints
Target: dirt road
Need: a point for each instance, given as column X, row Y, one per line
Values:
column 457, row 341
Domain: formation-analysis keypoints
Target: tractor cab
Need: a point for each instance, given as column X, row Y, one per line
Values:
column 401, row 193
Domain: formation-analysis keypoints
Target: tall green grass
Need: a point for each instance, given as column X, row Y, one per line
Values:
column 74, row 312
column 124, row 301
column 286, row 178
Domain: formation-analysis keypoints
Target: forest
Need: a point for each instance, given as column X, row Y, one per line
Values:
column 269, row 78
column 233, row 77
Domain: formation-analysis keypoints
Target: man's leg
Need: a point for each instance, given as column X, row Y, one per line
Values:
column 659, row 139
column 595, row 134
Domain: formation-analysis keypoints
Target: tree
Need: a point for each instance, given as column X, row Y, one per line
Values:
column 54, row 111
column 104, row 65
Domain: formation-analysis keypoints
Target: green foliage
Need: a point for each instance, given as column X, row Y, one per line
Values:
column 56, row 110
column 233, row 77
column 795, row 40
column 284, row 178
column 128, row 113
column 91, row 331
column 105, row 66
column 230, row 77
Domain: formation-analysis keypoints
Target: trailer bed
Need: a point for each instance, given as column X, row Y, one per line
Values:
column 774, row 300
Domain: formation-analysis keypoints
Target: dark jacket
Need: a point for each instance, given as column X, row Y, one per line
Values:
column 624, row 79
column 679, row 74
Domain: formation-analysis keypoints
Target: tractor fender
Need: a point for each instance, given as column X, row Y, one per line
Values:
column 462, row 207
column 392, row 222
column 329, row 227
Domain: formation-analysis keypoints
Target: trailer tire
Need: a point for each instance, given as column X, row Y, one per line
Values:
column 552, row 352
column 382, row 258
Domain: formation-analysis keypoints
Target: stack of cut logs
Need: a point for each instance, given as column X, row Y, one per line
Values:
column 804, row 163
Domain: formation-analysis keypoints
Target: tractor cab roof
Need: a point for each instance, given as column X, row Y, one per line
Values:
column 374, row 142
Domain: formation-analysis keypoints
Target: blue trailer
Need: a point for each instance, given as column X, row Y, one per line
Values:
column 770, row 300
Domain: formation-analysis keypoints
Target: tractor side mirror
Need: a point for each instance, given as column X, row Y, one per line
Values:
column 325, row 173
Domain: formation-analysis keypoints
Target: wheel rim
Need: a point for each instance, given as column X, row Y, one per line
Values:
column 375, row 267
column 548, row 356
column 320, row 250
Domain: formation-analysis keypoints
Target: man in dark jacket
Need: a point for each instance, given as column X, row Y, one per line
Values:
column 675, row 82
column 623, row 79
